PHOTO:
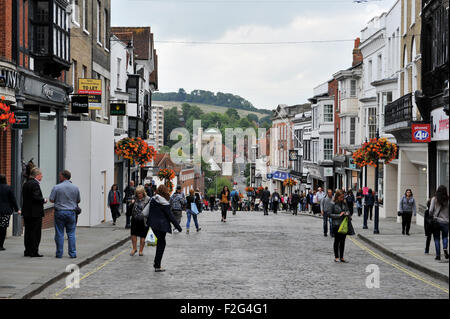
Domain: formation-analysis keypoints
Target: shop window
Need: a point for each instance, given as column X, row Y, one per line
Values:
column 442, row 164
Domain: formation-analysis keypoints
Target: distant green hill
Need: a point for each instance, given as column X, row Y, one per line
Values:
column 208, row 98
column 210, row 108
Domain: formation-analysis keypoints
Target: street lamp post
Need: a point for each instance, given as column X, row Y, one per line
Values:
column 375, row 227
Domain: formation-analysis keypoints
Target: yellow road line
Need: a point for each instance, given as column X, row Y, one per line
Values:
column 90, row 273
column 408, row 272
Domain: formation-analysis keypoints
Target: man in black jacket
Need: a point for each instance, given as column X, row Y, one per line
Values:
column 295, row 200
column 33, row 212
column 265, row 198
column 276, row 198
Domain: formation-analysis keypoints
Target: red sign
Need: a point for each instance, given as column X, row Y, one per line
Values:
column 421, row 133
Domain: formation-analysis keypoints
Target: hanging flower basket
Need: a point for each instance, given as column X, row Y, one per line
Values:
column 249, row 189
column 289, row 182
column 375, row 150
column 135, row 150
column 6, row 116
column 166, row 175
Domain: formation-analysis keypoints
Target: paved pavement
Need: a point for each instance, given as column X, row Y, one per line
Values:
column 21, row 276
column 251, row 256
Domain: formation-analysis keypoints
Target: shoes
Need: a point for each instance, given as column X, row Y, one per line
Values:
column 159, row 270
column 446, row 253
column 325, row 235
column 26, row 254
column 437, row 258
column 343, row 260
column 133, row 252
column 199, row 229
column 141, row 254
column 336, row 260
column 187, row 230
column 73, row 257
column 427, row 253
column 224, row 220
column 407, row 234
column 114, row 224
column 365, row 227
column 403, row 232
column 36, row 255
column 1, row 248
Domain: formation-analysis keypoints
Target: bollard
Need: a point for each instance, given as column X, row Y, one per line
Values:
column 17, row 224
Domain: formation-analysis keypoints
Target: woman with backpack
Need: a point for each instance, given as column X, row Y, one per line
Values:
column 138, row 227
column 192, row 199
column 159, row 218
column 439, row 213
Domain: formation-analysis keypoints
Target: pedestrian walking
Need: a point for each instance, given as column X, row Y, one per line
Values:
column 33, row 212
column 327, row 208
column 340, row 211
column 8, row 205
column 276, row 198
column 192, row 199
column 265, row 199
column 159, row 219
column 359, row 198
column 350, row 200
column 128, row 200
column 212, row 202
column 66, row 197
column 138, row 226
column 114, row 202
column 428, row 227
column 295, row 201
column 225, row 202
column 177, row 202
column 310, row 200
column 439, row 213
column 406, row 208
column 369, row 201
column 234, row 200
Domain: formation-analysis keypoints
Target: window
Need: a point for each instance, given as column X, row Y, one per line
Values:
column 99, row 23
column 85, row 16
column 343, row 130
column 74, row 74
column 352, row 88
column 105, row 29
column 328, row 113
column 119, row 60
column 352, row 130
column 75, row 12
column 405, row 15
column 369, row 72
column 315, row 151
column 328, row 149
column 84, row 72
column 413, row 12
column 372, row 122
column 379, row 67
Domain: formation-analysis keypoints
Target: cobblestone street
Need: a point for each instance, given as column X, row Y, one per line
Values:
column 251, row 256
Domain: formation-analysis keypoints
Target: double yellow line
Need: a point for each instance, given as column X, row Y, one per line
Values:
column 55, row 296
column 406, row 271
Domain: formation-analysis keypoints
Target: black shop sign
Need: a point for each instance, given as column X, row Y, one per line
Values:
column 118, row 109
column 80, row 104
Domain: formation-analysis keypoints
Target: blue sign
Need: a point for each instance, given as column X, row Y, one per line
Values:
column 281, row 175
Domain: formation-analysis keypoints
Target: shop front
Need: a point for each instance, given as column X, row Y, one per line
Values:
column 315, row 176
column 44, row 103
column 439, row 150
column 352, row 174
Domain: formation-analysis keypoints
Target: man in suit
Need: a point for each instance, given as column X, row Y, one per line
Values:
column 33, row 212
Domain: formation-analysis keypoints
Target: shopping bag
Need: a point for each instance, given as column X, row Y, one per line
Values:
column 151, row 239
column 343, row 228
column 194, row 208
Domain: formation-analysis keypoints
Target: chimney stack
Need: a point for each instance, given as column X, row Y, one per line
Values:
column 357, row 56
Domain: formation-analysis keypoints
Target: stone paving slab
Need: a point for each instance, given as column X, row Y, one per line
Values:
column 22, row 277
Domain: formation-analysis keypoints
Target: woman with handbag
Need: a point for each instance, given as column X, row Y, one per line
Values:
column 193, row 204
column 225, row 202
column 439, row 213
column 159, row 218
column 406, row 208
column 114, row 202
column 138, row 227
column 8, row 205
column 339, row 213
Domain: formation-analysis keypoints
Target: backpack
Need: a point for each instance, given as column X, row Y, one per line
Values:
column 137, row 212
column 236, row 197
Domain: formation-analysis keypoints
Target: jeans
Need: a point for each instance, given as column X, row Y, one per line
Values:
column 339, row 243
column 224, row 211
column 160, row 247
column 406, row 222
column 266, row 208
column 65, row 219
column 189, row 213
column 327, row 220
column 443, row 228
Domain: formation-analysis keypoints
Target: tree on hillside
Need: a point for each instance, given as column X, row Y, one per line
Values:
column 233, row 114
column 252, row 118
column 171, row 122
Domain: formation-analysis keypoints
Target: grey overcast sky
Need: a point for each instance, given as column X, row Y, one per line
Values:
column 264, row 74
